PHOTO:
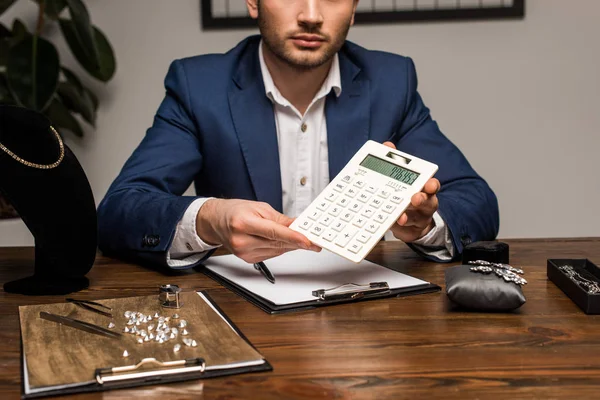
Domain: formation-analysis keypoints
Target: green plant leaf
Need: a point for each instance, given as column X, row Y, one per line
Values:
column 76, row 101
column 72, row 79
column 93, row 98
column 4, row 48
column 33, row 81
column 53, row 8
column 4, row 31
column 61, row 118
column 106, row 69
column 19, row 32
column 84, row 30
column 5, row 4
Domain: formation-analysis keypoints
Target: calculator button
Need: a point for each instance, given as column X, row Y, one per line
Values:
column 339, row 187
column 355, row 206
column 326, row 220
column 396, row 199
column 379, row 217
column 329, row 235
column 317, row 230
column 323, row 205
column 335, row 211
column 347, row 179
column 314, row 215
column 343, row 201
column 346, row 236
column 331, row 196
column 351, row 192
column 368, row 212
column 305, row 224
column 384, row 193
column 363, row 197
column 371, row 189
column 360, row 184
column 355, row 247
column 388, row 208
column 363, row 237
column 338, row 226
column 375, row 202
column 347, row 216
column 360, row 222
column 372, row 227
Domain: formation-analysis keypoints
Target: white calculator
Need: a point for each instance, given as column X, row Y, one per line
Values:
column 364, row 200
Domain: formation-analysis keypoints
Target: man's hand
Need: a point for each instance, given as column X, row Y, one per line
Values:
column 251, row 230
column 417, row 220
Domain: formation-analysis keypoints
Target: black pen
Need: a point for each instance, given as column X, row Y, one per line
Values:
column 260, row 266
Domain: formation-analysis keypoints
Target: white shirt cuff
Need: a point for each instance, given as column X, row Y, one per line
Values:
column 437, row 242
column 187, row 247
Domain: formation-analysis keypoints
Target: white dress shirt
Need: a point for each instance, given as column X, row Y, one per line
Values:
column 304, row 166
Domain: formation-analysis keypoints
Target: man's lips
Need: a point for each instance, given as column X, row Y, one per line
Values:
column 306, row 40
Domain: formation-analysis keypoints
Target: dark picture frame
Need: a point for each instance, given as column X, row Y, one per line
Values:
column 514, row 11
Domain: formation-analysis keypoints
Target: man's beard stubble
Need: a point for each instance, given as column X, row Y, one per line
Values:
column 278, row 47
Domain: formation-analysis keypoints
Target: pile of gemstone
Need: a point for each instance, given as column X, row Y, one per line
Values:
column 156, row 328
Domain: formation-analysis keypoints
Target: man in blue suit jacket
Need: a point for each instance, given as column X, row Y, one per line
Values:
column 261, row 129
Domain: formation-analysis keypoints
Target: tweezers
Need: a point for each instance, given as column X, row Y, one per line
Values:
column 88, row 305
column 81, row 325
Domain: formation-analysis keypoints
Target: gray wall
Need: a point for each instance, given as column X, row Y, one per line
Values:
column 520, row 98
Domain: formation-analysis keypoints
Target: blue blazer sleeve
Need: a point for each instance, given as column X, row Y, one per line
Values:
column 139, row 214
column 466, row 202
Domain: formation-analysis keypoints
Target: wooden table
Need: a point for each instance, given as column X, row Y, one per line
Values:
column 411, row 347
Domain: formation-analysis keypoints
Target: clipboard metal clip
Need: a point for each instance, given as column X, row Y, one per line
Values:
column 107, row 375
column 351, row 291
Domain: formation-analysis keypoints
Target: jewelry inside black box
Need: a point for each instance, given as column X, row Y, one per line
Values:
column 504, row 271
column 591, row 286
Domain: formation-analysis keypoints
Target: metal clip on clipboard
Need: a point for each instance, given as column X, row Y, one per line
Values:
column 351, row 291
column 106, row 375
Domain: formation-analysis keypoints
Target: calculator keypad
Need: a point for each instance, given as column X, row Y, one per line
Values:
column 350, row 212
column 361, row 203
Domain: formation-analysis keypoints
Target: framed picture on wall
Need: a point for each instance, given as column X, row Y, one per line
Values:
column 231, row 14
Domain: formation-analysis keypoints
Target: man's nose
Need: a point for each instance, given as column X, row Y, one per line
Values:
column 310, row 12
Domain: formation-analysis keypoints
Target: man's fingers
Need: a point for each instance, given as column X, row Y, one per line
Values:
column 274, row 231
column 389, row 144
column 403, row 219
column 432, row 186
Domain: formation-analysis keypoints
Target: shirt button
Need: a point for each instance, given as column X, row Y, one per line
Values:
column 303, row 181
column 304, row 127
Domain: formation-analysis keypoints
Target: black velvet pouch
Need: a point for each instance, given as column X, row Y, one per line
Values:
column 482, row 292
column 479, row 291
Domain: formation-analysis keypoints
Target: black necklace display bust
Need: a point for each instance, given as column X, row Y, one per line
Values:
column 45, row 183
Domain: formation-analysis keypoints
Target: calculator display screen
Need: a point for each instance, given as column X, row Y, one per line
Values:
column 389, row 169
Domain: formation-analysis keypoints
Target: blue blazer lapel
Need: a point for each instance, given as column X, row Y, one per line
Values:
column 254, row 122
column 348, row 116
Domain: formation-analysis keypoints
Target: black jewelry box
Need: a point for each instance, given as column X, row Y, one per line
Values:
column 588, row 302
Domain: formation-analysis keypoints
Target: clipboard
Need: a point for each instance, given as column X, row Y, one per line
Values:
column 118, row 372
column 322, row 277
